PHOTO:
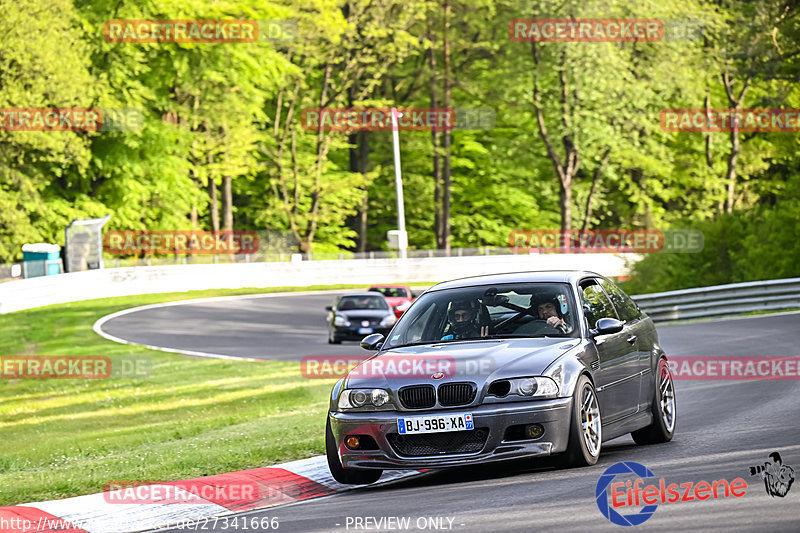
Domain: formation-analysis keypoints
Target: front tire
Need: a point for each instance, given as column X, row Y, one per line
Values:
column 585, row 429
column 347, row 476
column 664, row 409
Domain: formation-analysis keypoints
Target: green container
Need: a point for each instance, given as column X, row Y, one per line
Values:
column 41, row 259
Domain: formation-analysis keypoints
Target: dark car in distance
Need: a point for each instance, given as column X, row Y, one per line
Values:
column 498, row 367
column 352, row 316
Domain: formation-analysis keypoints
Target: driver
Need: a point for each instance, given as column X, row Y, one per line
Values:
column 463, row 318
column 549, row 309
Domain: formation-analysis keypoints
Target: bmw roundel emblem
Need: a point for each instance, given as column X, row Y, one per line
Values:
column 438, row 375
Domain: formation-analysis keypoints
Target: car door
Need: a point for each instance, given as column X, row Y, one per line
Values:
column 618, row 381
column 639, row 330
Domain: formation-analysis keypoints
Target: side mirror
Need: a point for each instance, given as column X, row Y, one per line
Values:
column 607, row 326
column 328, row 308
column 414, row 295
column 372, row 342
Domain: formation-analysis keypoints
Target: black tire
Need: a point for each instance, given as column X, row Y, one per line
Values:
column 333, row 339
column 347, row 476
column 578, row 453
column 664, row 420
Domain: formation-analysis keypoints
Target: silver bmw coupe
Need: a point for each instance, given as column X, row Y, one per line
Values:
column 503, row 366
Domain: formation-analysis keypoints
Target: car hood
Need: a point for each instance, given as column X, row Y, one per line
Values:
column 478, row 361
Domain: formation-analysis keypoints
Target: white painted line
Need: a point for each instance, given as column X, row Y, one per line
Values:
column 98, row 325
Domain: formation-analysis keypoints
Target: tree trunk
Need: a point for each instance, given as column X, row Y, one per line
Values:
column 438, row 226
column 564, row 172
column 359, row 157
column 735, row 103
column 227, row 203
column 446, row 135
column 598, row 172
column 212, row 198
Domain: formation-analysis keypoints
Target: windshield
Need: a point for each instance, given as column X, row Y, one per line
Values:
column 496, row 311
column 391, row 292
column 348, row 303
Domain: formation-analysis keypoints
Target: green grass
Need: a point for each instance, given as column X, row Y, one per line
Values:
column 190, row 417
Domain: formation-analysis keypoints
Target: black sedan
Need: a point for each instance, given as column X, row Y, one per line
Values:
column 352, row 316
column 499, row 367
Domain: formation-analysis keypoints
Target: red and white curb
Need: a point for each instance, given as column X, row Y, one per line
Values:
column 99, row 513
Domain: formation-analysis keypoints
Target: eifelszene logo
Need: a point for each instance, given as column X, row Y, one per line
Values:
column 778, row 477
column 634, row 493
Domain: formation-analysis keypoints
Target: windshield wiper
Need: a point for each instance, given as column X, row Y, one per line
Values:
column 522, row 336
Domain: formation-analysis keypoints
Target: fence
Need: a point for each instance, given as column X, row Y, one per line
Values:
column 9, row 273
column 722, row 300
column 109, row 282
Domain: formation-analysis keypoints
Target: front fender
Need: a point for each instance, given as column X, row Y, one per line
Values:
column 568, row 368
column 337, row 388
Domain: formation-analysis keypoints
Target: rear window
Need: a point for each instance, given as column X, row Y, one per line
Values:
column 348, row 303
column 391, row 292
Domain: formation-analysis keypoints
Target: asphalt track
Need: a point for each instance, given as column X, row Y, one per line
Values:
column 724, row 427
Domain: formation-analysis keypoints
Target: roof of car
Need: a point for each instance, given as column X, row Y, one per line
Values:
column 362, row 294
column 561, row 276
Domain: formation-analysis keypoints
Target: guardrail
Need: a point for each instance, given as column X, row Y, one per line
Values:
column 722, row 300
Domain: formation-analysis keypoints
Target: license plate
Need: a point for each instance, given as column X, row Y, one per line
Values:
column 435, row 424
column 365, row 330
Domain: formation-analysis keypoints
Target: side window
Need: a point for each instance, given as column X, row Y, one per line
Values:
column 627, row 308
column 416, row 331
column 596, row 304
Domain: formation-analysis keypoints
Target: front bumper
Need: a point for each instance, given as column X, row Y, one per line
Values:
column 553, row 415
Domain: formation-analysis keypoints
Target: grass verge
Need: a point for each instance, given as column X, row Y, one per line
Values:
column 189, row 418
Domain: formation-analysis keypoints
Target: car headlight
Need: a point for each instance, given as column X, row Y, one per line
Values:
column 355, row 398
column 388, row 320
column 402, row 307
column 339, row 320
column 539, row 387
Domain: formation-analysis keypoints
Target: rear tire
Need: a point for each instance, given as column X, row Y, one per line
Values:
column 664, row 409
column 347, row 476
column 585, row 429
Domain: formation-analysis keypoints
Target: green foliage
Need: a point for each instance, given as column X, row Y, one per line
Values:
column 742, row 246
column 216, row 113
